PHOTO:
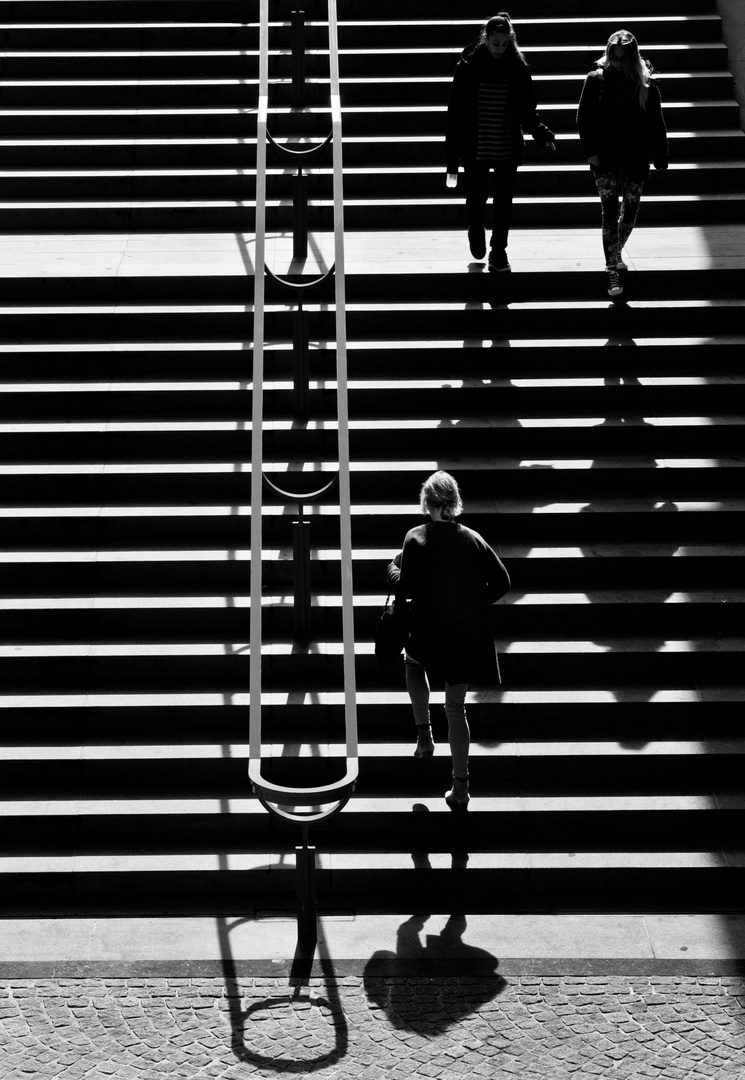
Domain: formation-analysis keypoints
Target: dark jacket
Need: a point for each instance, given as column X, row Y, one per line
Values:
column 613, row 126
column 461, row 134
column 452, row 578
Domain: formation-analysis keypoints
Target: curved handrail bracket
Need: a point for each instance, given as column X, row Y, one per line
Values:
column 307, row 497
column 300, row 284
column 301, row 805
column 300, row 153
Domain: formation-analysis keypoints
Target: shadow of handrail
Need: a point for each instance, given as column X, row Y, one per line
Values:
column 299, row 976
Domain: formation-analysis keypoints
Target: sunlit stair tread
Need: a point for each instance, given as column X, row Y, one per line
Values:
column 378, row 863
column 394, row 510
column 627, row 420
column 131, row 306
column 377, row 382
column 702, row 805
column 315, row 748
column 631, row 692
column 562, row 598
column 613, row 547
column 355, row 90
column 379, row 204
column 560, row 169
column 613, row 643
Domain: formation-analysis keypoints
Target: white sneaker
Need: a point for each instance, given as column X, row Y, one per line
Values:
column 615, row 288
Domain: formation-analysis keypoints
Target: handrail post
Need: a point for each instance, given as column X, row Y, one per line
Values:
column 307, row 902
column 300, row 215
column 300, row 181
column 301, row 574
column 297, row 17
column 300, row 361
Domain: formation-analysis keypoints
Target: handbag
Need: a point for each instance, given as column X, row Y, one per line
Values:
column 391, row 631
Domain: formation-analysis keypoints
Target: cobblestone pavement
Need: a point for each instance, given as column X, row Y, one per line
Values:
column 671, row 1027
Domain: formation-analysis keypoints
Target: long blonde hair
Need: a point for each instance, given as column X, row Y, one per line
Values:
column 637, row 70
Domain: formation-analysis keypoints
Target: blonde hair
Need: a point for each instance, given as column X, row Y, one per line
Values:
column 441, row 492
column 637, row 70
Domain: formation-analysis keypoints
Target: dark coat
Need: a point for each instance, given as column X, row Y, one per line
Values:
column 461, row 135
column 452, row 578
column 613, row 126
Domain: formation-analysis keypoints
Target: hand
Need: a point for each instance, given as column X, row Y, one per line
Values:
column 550, row 146
column 661, row 167
column 452, row 180
column 594, row 160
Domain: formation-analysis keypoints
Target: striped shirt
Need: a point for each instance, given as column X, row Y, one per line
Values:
column 494, row 142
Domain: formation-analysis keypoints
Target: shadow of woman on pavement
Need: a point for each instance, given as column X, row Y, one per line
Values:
column 431, row 986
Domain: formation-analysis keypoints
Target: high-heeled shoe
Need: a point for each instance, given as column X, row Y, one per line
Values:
column 458, row 798
column 425, row 746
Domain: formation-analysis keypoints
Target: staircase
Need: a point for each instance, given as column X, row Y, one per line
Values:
column 608, row 769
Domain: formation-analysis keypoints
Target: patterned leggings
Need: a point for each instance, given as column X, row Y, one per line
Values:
column 618, row 222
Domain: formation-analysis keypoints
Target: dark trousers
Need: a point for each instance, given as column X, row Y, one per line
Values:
column 502, row 182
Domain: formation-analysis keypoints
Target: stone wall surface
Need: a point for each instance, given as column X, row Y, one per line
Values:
column 733, row 18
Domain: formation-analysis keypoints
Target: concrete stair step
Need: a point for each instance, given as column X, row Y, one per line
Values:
column 38, row 621
column 223, row 667
column 497, row 403
column 579, row 10
column 424, row 183
column 641, row 315
column 555, row 363
column 417, row 90
column 626, row 715
column 233, row 62
column 559, row 529
column 175, row 388
column 398, row 151
column 555, row 507
column 82, row 11
column 429, row 149
column 375, row 889
column 312, row 121
column 591, row 769
column 171, row 36
column 232, row 215
column 571, row 453
column 512, row 823
column 591, row 31
column 134, row 293
column 118, row 11
column 152, row 35
column 543, row 60
column 79, row 582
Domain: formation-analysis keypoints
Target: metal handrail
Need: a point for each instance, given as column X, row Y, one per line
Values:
column 301, row 805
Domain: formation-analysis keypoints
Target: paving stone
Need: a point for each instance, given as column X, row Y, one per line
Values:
column 333, row 1029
